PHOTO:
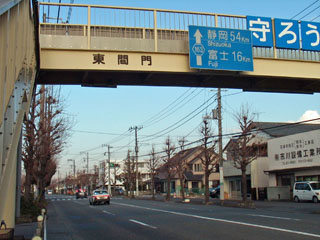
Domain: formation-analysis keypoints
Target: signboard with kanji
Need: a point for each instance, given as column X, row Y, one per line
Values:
column 288, row 34
column 294, row 151
column 220, row 48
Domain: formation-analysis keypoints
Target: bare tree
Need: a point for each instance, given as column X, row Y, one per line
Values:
column 153, row 165
column 181, row 166
column 243, row 149
column 129, row 174
column 169, row 167
column 29, row 148
column 46, row 131
column 209, row 157
column 116, row 168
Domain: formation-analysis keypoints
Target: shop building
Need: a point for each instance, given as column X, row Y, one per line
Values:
column 292, row 154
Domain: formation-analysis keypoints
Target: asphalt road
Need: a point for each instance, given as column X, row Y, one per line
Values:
column 69, row 218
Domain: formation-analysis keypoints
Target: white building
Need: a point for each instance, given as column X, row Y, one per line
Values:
column 276, row 168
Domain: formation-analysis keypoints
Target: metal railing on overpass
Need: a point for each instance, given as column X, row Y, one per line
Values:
column 98, row 27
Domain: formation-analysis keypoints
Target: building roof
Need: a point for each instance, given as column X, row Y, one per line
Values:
column 280, row 129
column 193, row 177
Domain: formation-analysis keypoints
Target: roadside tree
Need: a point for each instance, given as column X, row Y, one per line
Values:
column 169, row 149
column 153, row 164
column 209, row 157
column 245, row 148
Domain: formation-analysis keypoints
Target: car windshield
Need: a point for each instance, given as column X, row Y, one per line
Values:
column 100, row 192
column 315, row 186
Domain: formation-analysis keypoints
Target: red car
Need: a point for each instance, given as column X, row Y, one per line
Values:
column 99, row 196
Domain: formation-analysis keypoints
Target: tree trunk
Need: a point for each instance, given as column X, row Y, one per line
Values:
column 244, row 185
column 27, row 188
column 206, row 180
column 168, row 188
column 182, row 187
column 152, row 186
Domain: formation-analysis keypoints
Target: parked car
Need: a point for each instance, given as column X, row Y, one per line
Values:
column 81, row 193
column 306, row 191
column 99, row 196
column 215, row 192
column 49, row 192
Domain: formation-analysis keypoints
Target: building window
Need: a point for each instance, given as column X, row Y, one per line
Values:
column 197, row 167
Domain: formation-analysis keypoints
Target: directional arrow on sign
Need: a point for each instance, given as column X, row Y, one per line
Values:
column 198, row 37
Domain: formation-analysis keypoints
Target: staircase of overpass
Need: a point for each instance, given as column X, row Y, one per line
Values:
column 107, row 46
column 18, row 70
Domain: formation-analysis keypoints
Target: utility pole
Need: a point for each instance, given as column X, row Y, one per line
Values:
column 137, row 151
column 74, row 166
column 109, row 165
column 220, row 148
column 58, row 179
column 109, row 175
column 88, row 184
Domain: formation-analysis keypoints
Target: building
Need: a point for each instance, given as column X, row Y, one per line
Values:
column 271, row 168
column 194, row 181
column 294, row 158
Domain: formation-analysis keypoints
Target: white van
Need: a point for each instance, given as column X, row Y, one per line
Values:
column 306, row 191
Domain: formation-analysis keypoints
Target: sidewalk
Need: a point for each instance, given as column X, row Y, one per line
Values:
column 25, row 231
column 281, row 206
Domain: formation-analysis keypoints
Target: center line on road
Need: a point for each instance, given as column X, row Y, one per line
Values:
column 143, row 224
column 109, row 213
column 266, row 216
column 224, row 220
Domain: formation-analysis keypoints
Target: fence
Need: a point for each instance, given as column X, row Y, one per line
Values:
column 157, row 27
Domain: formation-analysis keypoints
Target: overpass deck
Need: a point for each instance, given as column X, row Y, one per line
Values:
column 154, row 45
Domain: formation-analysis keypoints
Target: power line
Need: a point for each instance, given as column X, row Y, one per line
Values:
column 310, row 12
column 314, row 18
column 239, row 133
column 160, row 112
column 173, row 109
column 305, row 9
column 172, row 125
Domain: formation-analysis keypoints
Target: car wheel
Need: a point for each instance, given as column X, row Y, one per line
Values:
column 107, row 202
column 296, row 199
column 315, row 199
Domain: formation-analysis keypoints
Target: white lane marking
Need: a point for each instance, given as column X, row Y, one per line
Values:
column 109, row 213
column 193, row 208
column 91, row 207
column 143, row 224
column 266, row 216
column 223, row 220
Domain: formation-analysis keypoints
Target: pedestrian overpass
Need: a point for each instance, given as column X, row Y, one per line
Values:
column 103, row 46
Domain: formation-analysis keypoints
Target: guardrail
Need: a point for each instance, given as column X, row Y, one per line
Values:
column 156, row 25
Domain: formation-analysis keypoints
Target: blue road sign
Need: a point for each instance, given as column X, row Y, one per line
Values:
column 261, row 28
column 220, row 48
column 310, row 34
column 287, row 33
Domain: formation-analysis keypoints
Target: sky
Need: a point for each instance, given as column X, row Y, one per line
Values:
column 104, row 115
